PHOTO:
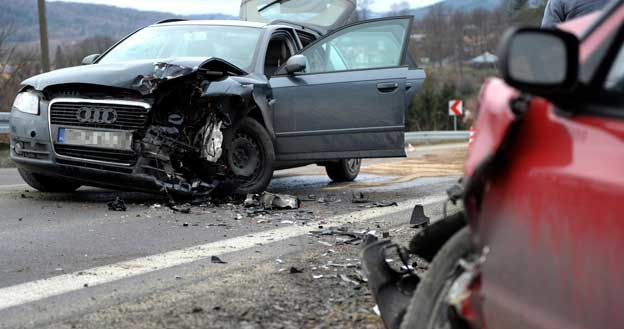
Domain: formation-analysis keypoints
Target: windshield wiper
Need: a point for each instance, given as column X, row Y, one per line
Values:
column 271, row 4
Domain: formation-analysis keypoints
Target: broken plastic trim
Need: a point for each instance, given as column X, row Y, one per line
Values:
column 392, row 290
column 212, row 146
column 270, row 201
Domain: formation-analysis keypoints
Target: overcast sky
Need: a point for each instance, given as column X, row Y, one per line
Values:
column 231, row 7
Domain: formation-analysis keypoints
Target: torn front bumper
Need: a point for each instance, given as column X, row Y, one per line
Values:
column 32, row 149
column 392, row 289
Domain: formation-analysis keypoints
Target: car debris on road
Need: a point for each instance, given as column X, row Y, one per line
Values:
column 270, row 201
column 217, row 260
column 353, row 237
column 419, row 219
column 117, row 205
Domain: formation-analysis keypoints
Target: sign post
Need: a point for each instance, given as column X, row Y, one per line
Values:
column 456, row 109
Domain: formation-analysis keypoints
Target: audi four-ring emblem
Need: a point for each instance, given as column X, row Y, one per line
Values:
column 96, row 115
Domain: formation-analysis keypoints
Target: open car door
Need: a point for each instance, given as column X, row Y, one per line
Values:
column 319, row 15
column 350, row 100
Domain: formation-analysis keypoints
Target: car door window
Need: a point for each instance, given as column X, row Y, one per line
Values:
column 371, row 45
column 615, row 79
column 279, row 50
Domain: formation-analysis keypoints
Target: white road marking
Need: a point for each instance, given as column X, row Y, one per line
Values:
column 55, row 286
column 13, row 187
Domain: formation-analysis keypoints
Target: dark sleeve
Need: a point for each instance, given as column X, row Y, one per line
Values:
column 554, row 14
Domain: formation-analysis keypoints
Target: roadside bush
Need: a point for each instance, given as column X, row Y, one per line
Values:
column 429, row 110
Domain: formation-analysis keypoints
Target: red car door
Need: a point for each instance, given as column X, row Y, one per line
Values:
column 553, row 217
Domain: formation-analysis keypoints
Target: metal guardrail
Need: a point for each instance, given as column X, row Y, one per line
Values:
column 413, row 137
column 437, row 136
column 4, row 123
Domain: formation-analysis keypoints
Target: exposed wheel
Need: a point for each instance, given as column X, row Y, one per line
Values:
column 47, row 183
column 429, row 308
column 250, row 156
column 344, row 170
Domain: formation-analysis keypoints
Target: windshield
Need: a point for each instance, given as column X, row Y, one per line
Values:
column 235, row 44
column 323, row 13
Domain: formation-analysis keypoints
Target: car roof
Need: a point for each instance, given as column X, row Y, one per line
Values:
column 215, row 22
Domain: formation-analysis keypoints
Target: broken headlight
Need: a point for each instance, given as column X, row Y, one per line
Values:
column 27, row 102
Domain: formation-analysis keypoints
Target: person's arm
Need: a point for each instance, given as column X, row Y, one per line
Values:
column 554, row 14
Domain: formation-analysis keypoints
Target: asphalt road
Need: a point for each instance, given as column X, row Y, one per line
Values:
column 66, row 261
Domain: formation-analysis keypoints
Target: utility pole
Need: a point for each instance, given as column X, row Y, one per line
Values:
column 43, row 36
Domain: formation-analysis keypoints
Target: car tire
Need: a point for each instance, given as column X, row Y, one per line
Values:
column 250, row 154
column 47, row 184
column 428, row 308
column 344, row 170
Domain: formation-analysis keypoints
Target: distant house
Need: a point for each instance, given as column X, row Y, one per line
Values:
column 486, row 58
column 418, row 37
column 6, row 71
column 7, row 68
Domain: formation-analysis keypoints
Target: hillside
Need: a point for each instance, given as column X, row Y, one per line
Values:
column 76, row 20
column 71, row 21
column 466, row 5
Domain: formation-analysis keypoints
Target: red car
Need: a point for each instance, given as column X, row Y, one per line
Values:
column 541, row 242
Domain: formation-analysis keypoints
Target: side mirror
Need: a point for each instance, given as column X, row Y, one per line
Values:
column 296, row 64
column 90, row 59
column 540, row 62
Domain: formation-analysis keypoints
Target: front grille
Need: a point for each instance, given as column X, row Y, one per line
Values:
column 129, row 117
column 97, row 154
column 121, row 170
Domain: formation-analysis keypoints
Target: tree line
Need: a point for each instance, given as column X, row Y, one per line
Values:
column 18, row 63
column 444, row 41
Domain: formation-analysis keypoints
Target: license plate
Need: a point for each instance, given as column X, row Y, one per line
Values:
column 119, row 140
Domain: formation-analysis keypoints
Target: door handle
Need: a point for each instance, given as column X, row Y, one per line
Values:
column 387, row 87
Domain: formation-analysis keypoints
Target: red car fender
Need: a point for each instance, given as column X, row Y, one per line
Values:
column 493, row 122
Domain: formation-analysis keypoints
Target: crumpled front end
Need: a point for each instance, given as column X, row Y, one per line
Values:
column 167, row 130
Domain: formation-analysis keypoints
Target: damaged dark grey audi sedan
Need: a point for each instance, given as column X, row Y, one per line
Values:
column 182, row 106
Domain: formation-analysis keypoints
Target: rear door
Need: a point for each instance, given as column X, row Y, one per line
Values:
column 320, row 15
column 351, row 100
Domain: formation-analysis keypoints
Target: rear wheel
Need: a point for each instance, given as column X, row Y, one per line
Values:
column 47, row 184
column 344, row 170
column 250, row 156
column 429, row 307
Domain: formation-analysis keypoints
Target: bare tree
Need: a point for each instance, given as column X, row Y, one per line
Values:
column 457, row 40
column 5, row 50
column 435, row 27
column 73, row 54
column 513, row 6
column 400, row 8
column 18, row 64
column 364, row 9
column 6, row 69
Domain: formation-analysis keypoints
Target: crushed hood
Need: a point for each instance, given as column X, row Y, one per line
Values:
column 130, row 75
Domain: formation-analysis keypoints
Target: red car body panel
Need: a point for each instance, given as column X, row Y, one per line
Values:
column 552, row 216
column 492, row 125
column 495, row 116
